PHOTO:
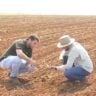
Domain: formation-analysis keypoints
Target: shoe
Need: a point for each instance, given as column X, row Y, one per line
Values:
column 14, row 80
column 84, row 81
column 69, row 82
column 23, row 81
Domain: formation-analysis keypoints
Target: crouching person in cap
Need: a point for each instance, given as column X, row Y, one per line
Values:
column 18, row 57
column 76, row 63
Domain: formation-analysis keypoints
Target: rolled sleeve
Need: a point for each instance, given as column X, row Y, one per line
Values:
column 61, row 55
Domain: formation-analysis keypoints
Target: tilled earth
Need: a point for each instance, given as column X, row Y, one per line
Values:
column 46, row 82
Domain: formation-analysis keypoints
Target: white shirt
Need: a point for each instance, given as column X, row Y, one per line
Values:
column 78, row 56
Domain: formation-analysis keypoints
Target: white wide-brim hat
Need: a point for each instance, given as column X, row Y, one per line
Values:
column 65, row 41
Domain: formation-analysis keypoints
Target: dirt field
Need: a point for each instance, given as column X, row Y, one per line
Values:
column 46, row 82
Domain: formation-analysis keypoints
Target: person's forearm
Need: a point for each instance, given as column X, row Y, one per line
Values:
column 23, row 56
column 61, row 68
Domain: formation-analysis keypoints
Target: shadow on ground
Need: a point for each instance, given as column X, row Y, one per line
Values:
column 24, row 83
column 68, row 87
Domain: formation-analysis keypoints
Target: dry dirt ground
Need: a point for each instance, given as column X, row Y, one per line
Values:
column 45, row 82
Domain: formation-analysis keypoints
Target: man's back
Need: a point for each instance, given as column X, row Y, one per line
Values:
column 18, row 44
column 83, row 58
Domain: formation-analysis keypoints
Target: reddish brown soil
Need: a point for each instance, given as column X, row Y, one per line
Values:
column 46, row 82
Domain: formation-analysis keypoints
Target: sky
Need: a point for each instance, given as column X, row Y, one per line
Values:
column 48, row 7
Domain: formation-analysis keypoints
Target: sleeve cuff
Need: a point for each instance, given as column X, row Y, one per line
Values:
column 61, row 68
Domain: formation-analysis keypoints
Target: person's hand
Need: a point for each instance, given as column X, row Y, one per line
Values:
column 31, row 61
column 51, row 67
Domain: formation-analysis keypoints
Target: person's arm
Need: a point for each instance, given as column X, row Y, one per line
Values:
column 71, row 58
column 23, row 56
column 61, row 57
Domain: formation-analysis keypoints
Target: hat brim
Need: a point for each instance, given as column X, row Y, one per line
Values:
column 62, row 46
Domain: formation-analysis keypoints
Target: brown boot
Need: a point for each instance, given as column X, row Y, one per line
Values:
column 14, row 80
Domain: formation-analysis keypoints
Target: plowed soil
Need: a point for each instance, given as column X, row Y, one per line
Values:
column 45, row 82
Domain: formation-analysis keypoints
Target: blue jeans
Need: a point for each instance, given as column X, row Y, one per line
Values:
column 16, row 65
column 76, row 73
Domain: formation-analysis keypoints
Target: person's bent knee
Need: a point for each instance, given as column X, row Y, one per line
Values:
column 15, row 59
column 68, row 75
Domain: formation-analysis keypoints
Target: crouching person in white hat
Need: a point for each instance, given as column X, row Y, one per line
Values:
column 18, row 57
column 76, row 63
